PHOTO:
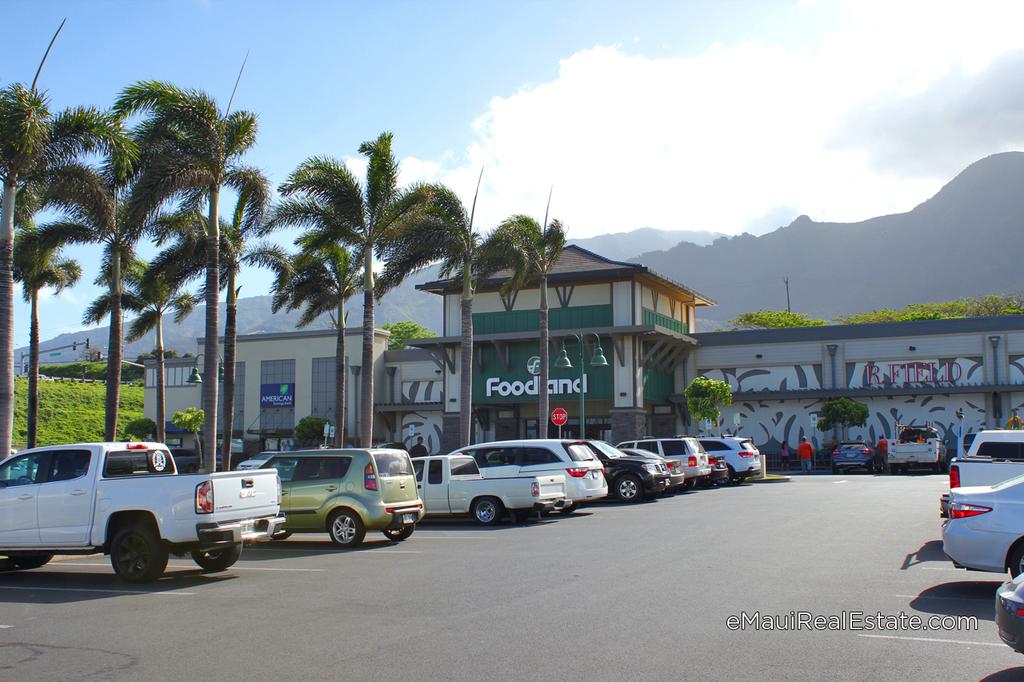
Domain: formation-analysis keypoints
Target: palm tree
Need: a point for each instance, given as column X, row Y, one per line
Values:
column 192, row 150
column 324, row 196
column 152, row 296
column 320, row 281
column 532, row 251
column 185, row 259
column 38, row 265
column 442, row 231
column 94, row 203
column 31, row 140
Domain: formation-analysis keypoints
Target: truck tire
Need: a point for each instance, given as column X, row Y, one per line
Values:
column 487, row 510
column 399, row 534
column 137, row 554
column 220, row 559
column 629, row 488
column 346, row 528
column 22, row 563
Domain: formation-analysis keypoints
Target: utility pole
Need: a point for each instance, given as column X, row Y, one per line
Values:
column 788, row 308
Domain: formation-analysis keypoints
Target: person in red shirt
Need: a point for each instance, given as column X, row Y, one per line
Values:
column 882, row 451
column 806, row 452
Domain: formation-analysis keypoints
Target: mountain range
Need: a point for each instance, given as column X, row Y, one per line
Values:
column 963, row 241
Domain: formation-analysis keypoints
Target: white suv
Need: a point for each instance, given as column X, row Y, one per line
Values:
column 743, row 458
column 694, row 458
column 583, row 471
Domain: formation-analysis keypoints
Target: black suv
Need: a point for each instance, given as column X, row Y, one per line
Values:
column 630, row 479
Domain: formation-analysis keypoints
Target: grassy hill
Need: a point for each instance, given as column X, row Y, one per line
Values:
column 70, row 411
column 90, row 370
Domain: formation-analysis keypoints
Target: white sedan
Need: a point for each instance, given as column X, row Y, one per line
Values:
column 985, row 528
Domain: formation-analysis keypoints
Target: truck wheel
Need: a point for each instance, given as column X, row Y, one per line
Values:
column 629, row 488
column 137, row 554
column 399, row 534
column 21, row 563
column 346, row 528
column 220, row 559
column 487, row 510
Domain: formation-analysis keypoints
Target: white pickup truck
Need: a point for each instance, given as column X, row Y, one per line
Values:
column 993, row 457
column 916, row 446
column 452, row 484
column 127, row 500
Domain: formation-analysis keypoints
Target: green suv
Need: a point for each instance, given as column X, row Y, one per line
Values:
column 348, row 492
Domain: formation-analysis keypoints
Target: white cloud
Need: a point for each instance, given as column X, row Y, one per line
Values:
column 719, row 140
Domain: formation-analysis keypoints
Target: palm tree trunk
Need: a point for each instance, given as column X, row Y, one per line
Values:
column 542, row 389
column 7, row 317
column 466, row 370
column 366, row 373
column 228, row 400
column 210, row 347
column 339, row 380
column 161, row 409
column 114, row 350
column 33, row 370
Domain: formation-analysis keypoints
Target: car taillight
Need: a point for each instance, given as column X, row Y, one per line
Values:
column 136, row 446
column 748, row 453
column 673, row 465
column 865, row 451
column 954, row 477
column 535, row 489
column 369, row 478
column 204, row 498
column 692, row 461
column 959, row 510
column 577, row 472
column 834, row 453
column 1020, row 612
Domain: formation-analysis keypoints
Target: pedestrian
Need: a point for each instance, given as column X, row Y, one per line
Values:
column 806, row 452
column 418, row 450
column 882, row 451
column 784, row 456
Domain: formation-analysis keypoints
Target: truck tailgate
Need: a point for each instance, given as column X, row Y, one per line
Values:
column 244, row 494
column 979, row 471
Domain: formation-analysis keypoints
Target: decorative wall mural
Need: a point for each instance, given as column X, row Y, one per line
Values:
column 426, row 424
column 786, row 378
column 1016, row 369
column 767, row 424
column 941, row 372
column 421, row 392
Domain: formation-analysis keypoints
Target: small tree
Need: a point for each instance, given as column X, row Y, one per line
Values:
column 842, row 412
column 705, row 398
column 191, row 420
column 310, row 430
column 405, row 330
column 773, row 319
column 142, row 428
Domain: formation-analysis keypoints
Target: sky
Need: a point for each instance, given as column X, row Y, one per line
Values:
column 727, row 116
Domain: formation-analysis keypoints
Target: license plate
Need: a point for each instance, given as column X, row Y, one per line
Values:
column 408, row 518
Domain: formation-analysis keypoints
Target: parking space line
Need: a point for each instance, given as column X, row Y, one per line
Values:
column 921, row 596
column 6, row 627
column 90, row 589
column 933, row 639
column 842, row 481
column 942, row 568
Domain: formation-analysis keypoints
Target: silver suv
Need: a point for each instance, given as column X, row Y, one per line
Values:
column 687, row 450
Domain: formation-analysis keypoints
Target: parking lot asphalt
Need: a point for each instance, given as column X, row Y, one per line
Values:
column 613, row 592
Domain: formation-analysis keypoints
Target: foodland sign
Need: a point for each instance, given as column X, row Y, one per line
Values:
column 501, row 387
column 277, row 395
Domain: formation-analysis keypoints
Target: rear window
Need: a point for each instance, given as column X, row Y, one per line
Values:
column 122, row 463
column 747, row 445
column 713, row 445
column 674, row 448
column 393, row 464
column 464, row 466
column 1000, row 450
column 579, row 452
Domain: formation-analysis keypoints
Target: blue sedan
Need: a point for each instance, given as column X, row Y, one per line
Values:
column 853, row 455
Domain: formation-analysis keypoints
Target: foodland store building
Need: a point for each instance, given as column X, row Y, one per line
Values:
column 913, row 372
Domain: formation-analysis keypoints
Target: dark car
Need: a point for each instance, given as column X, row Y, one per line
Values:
column 854, row 454
column 1010, row 613
column 676, row 474
column 630, row 479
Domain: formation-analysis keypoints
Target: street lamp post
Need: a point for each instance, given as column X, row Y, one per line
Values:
column 598, row 360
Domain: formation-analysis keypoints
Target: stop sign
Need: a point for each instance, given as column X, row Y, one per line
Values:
column 559, row 416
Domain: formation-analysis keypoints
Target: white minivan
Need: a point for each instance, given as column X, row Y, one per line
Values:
column 583, row 471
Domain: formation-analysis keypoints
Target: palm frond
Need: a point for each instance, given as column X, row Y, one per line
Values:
column 143, row 323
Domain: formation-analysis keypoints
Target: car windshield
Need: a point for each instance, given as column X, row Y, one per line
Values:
column 393, row 464
column 607, row 450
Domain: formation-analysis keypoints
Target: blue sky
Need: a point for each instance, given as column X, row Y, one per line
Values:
column 695, row 115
